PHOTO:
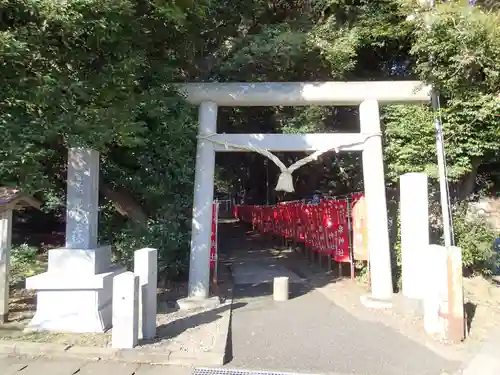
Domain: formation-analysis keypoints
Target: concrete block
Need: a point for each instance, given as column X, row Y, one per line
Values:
column 414, row 211
column 280, row 288
column 125, row 311
column 72, row 304
column 435, row 287
column 80, row 261
column 146, row 267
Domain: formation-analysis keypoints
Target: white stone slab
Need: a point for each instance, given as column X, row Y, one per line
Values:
column 82, row 206
column 108, row 368
column 125, row 332
column 72, row 304
column 51, row 367
column 60, row 281
column 435, row 282
column 80, row 261
column 146, row 267
column 414, row 211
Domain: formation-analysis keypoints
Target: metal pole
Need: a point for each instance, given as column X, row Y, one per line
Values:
column 443, row 183
column 456, row 322
column 441, row 160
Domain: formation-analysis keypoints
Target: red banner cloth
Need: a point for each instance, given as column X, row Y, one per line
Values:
column 322, row 227
column 213, row 237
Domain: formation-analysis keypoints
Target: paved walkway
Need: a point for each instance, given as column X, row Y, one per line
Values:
column 487, row 360
column 16, row 366
column 309, row 333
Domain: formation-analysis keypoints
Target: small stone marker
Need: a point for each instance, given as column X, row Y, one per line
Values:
column 125, row 311
column 145, row 266
column 456, row 320
column 280, row 288
column 435, row 287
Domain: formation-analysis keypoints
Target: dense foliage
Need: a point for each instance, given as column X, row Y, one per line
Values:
column 97, row 73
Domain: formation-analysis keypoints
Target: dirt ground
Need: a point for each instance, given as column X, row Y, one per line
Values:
column 22, row 307
column 484, row 299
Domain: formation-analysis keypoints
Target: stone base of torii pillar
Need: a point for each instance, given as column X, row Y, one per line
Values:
column 75, row 294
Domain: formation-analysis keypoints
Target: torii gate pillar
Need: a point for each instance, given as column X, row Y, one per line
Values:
column 376, row 205
column 199, row 266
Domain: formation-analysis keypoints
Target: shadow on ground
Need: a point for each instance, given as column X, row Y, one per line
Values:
column 470, row 312
column 245, row 253
column 177, row 327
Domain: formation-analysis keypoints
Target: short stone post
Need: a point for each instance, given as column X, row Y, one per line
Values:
column 125, row 311
column 280, row 288
column 145, row 266
column 414, row 211
column 435, row 289
column 456, row 328
column 5, row 244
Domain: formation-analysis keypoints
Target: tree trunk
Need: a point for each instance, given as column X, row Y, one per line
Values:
column 468, row 183
column 124, row 203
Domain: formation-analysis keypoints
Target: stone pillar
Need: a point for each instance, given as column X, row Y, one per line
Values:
column 125, row 311
column 199, row 271
column 435, row 289
column 5, row 245
column 82, row 208
column 75, row 294
column 414, row 211
column 376, row 205
column 145, row 266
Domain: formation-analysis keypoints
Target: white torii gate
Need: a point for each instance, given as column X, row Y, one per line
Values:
column 366, row 95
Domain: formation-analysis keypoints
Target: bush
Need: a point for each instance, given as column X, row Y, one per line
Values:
column 25, row 261
column 169, row 237
column 172, row 245
column 475, row 237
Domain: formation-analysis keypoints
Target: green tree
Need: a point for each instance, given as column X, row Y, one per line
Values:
column 97, row 73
